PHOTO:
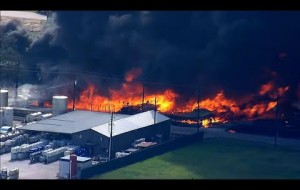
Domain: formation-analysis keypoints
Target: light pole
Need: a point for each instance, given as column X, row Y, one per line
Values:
column 154, row 110
column 74, row 92
column 110, row 135
column 276, row 123
column 198, row 112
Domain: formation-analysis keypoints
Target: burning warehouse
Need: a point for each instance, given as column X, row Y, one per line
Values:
column 92, row 129
column 206, row 118
column 239, row 78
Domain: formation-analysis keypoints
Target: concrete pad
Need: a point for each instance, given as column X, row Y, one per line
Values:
column 30, row 171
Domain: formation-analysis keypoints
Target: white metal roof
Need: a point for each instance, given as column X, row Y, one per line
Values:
column 79, row 158
column 71, row 122
column 130, row 123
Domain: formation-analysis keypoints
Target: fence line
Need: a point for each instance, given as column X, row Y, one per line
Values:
column 140, row 155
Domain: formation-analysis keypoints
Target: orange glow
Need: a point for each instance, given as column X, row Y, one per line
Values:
column 188, row 121
column 218, row 104
column 47, row 104
column 258, row 109
column 265, row 88
column 221, row 105
column 282, row 90
column 205, row 123
column 130, row 94
column 270, row 89
column 34, row 103
column 132, row 74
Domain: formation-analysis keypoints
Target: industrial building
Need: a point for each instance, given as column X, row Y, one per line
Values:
column 92, row 129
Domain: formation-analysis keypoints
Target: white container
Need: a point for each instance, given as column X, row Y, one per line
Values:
column 67, row 152
column 46, row 116
column 45, row 151
column 15, row 149
column 24, row 148
column 13, row 172
column 59, row 105
column 4, row 173
column 121, row 154
column 8, row 114
column 3, row 98
column 3, row 137
column 37, row 116
column 56, row 152
column 8, row 143
column 1, row 117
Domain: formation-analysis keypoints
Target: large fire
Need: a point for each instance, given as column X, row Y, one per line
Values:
column 223, row 106
column 130, row 93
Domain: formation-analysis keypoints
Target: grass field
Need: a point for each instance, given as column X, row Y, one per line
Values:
column 215, row 159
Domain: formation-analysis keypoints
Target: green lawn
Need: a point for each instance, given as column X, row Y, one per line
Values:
column 215, row 159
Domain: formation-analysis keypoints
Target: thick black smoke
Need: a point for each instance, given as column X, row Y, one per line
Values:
column 229, row 50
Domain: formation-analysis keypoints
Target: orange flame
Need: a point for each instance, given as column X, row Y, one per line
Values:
column 132, row 74
column 47, row 104
column 222, row 105
column 265, row 88
column 188, row 121
column 205, row 122
column 130, row 94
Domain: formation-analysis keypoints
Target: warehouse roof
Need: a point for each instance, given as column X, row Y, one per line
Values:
column 131, row 123
column 203, row 113
column 72, row 122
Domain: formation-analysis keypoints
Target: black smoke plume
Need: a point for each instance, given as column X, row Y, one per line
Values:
column 229, row 50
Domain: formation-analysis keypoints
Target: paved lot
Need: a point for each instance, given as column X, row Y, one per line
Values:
column 30, row 171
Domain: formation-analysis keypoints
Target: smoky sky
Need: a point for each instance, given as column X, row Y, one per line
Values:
column 231, row 50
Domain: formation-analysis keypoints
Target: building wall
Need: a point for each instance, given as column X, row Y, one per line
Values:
column 99, row 143
column 120, row 142
column 125, row 140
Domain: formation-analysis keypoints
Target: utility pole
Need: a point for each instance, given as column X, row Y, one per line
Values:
column 143, row 99
column 198, row 112
column 17, row 80
column 155, row 110
column 110, row 136
column 276, row 123
column 74, row 92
